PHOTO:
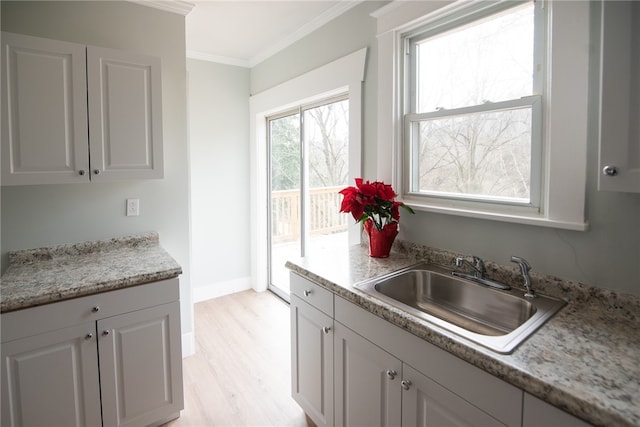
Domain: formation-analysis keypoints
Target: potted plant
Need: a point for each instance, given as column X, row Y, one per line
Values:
column 374, row 204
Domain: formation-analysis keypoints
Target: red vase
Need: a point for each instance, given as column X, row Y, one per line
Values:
column 380, row 241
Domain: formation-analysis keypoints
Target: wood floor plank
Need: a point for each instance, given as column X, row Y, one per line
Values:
column 240, row 374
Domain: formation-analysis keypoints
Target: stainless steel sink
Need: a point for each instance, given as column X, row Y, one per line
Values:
column 497, row 319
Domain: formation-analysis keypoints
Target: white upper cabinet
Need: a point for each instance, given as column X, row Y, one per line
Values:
column 619, row 160
column 76, row 113
column 125, row 115
column 44, row 111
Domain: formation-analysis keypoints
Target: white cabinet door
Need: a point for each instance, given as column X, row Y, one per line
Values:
column 620, row 97
column 312, row 361
column 141, row 366
column 537, row 413
column 44, row 111
column 367, row 382
column 427, row 403
column 125, row 115
column 51, row 379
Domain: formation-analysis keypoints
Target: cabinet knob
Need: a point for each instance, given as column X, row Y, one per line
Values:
column 391, row 374
column 88, row 336
column 96, row 171
column 106, row 332
column 406, row 384
column 81, row 172
column 326, row 329
column 610, row 170
column 96, row 309
column 307, row 293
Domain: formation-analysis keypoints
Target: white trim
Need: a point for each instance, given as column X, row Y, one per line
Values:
column 306, row 29
column 219, row 289
column 339, row 76
column 309, row 27
column 566, row 118
column 174, row 6
column 228, row 60
column 188, row 344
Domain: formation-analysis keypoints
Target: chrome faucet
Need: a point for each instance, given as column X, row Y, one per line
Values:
column 524, row 269
column 477, row 266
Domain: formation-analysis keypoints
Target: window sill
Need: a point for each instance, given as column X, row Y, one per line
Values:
column 516, row 218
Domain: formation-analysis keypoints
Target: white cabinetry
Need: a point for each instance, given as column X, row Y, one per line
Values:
column 538, row 413
column 619, row 160
column 75, row 113
column 52, row 379
column 367, row 382
column 437, row 388
column 385, row 376
column 312, row 350
column 111, row 359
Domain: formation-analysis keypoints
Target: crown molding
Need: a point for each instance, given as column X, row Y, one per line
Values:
column 228, row 60
column 305, row 30
column 174, row 6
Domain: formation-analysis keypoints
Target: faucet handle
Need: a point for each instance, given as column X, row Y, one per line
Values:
column 477, row 261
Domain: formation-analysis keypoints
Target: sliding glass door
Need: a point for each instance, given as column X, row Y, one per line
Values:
column 308, row 166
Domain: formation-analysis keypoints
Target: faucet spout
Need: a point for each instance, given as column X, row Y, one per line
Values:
column 477, row 266
column 525, row 267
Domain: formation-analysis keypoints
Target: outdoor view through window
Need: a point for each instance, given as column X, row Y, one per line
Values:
column 306, row 217
column 474, row 109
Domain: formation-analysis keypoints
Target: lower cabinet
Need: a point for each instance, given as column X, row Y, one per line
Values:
column 312, row 361
column 52, row 379
column 427, row 403
column 119, row 367
column 367, row 382
column 538, row 413
column 374, row 373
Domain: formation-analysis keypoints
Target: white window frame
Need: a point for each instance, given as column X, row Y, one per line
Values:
column 344, row 75
column 564, row 105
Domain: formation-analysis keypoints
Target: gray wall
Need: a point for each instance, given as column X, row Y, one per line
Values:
column 607, row 255
column 219, row 151
column 34, row 216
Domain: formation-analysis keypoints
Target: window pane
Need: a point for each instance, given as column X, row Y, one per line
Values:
column 483, row 154
column 284, row 140
column 487, row 60
column 326, row 133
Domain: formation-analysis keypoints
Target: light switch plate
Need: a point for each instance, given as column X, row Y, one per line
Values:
column 133, row 207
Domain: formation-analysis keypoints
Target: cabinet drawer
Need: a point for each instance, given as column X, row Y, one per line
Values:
column 312, row 293
column 49, row 317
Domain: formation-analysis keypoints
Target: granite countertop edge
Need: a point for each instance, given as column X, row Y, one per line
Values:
column 47, row 275
column 586, row 406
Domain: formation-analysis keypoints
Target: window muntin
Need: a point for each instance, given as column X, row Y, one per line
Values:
column 473, row 124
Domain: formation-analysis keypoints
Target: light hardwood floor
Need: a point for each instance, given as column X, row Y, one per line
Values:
column 240, row 374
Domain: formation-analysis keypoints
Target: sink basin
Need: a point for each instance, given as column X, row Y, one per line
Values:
column 496, row 319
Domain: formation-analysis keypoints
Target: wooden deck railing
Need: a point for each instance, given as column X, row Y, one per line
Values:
column 324, row 215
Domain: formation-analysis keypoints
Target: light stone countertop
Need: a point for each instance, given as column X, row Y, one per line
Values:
column 584, row 360
column 46, row 275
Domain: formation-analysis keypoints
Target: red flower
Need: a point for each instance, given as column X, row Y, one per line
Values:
column 374, row 201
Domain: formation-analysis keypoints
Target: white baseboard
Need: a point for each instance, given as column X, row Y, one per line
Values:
column 188, row 344
column 218, row 289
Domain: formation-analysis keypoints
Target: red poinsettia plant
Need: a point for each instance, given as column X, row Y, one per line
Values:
column 372, row 200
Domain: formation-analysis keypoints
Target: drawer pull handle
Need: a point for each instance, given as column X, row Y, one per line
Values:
column 95, row 309
column 392, row 374
column 307, row 293
column 406, row 384
column 326, row 329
